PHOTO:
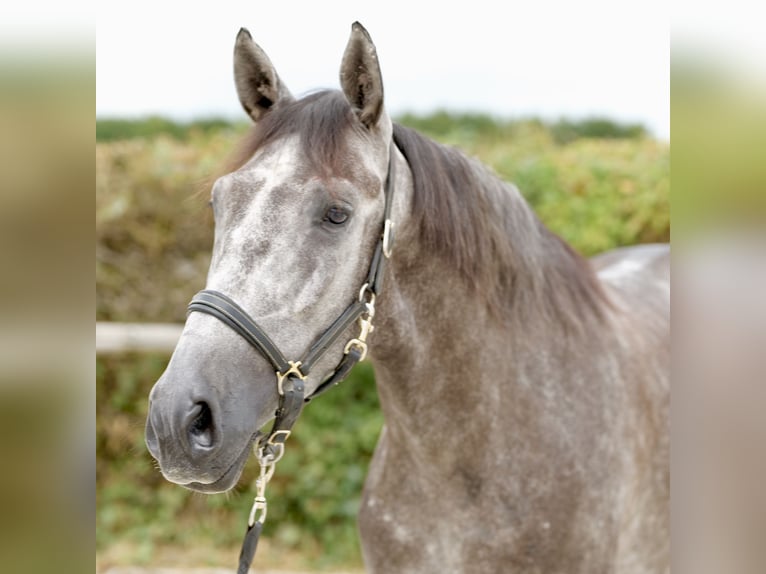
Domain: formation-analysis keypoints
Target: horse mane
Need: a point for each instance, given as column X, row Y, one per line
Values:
column 485, row 228
column 322, row 120
column 477, row 223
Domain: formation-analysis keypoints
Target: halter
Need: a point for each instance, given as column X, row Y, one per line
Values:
column 291, row 375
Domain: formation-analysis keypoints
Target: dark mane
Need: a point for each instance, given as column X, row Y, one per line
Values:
column 465, row 213
column 470, row 216
column 322, row 120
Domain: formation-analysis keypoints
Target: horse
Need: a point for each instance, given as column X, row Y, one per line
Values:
column 524, row 388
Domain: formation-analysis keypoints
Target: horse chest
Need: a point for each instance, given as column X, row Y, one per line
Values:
column 414, row 520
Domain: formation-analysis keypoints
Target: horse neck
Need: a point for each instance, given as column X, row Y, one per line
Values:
column 445, row 350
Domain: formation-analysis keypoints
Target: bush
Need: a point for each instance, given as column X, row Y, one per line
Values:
column 565, row 131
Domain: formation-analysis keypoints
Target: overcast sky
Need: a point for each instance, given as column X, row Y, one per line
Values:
column 543, row 58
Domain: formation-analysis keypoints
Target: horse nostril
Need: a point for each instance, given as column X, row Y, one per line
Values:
column 201, row 429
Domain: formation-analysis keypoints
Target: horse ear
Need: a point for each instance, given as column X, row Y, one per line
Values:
column 360, row 76
column 258, row 85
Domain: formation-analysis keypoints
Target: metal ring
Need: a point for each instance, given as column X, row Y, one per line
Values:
column 388, row 238
column 295, row 369
column 362, row 298
column 361, row 345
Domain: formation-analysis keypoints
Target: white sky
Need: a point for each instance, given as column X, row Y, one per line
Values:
column 544, row 58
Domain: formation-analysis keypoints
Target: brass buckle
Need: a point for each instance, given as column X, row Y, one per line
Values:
column 295, row 369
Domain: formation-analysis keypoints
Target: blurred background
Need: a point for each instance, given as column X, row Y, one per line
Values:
column 572, row 106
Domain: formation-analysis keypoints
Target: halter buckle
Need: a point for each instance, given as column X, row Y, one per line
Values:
column 295, row 369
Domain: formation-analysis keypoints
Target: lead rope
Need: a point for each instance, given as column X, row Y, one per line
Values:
column 267, row 461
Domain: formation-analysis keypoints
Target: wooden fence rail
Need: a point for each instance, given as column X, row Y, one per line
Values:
column 124, row 337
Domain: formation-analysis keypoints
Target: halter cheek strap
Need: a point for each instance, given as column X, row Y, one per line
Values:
column 291, row 375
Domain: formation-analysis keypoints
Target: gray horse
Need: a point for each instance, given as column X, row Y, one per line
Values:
column 525, row 389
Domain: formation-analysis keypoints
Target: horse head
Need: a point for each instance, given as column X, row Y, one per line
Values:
column 296, row 226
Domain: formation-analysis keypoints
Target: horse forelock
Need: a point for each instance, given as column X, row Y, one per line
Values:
column 323, row 121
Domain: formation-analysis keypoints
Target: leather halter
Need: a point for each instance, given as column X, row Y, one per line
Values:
column 291, row 375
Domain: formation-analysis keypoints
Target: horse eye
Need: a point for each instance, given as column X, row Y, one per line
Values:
column 336, row 216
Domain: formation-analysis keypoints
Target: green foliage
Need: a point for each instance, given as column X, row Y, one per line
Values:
column 596, row 193
column 565, row 131
column 153, row 226
column 115, row 129
column 444, row 126
column 469, row 127
column 153, row 243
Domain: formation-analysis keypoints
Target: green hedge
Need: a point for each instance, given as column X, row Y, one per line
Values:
column 153, row 241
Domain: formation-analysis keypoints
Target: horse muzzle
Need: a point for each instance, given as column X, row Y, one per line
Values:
column 188, row 438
